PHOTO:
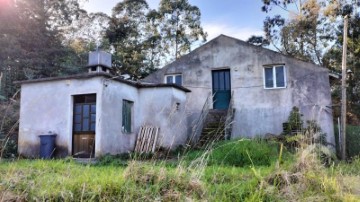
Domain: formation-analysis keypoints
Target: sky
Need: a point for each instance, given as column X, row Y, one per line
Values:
column 235, row 18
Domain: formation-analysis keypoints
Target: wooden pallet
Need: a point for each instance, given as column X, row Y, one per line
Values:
column 146, row 139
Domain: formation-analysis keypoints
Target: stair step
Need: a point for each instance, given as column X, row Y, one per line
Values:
column 214, row 127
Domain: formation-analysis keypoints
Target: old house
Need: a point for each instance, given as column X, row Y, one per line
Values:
column 261, row 86
column 96, row 113
column 250, row 88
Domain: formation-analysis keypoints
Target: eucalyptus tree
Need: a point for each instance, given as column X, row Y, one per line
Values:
column 305, row 30
column 180, row 27
column 126, row 35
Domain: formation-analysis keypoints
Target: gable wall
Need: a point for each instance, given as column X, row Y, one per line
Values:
column 258, row 110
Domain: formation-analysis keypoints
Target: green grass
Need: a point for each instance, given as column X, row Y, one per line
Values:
column 239, row 170
column 241, row 152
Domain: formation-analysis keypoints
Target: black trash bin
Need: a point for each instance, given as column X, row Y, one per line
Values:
column 47, row 146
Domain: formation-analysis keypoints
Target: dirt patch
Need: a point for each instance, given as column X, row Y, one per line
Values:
column 7, row 196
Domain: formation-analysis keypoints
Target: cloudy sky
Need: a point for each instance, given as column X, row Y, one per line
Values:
column 236, row 18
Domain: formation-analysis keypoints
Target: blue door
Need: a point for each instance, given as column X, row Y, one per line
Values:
column 221, row 88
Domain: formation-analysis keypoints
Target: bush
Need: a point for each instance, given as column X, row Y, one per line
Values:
column 243, row 152
column 352, row 140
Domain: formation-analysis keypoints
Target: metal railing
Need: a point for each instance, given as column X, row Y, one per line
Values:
column 229, row 117
column 198, row 127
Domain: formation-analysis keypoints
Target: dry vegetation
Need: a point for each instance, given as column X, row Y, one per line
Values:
column 193, row 176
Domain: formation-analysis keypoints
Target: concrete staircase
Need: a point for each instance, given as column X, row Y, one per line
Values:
column 214, row 127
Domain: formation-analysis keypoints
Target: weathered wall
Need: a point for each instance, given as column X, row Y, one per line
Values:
column 48, row 106
column 159, row 108
column 258, row 110
column 113, row 138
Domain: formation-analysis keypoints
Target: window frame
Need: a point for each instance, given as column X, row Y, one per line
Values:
column 127, row 129
column 173, row 78
column 81, row 101
column 273, row 67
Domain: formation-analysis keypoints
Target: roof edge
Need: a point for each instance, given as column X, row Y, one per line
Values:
column 136, row 84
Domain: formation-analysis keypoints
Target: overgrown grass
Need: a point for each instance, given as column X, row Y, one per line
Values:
column 241, row 152
column 240, row 170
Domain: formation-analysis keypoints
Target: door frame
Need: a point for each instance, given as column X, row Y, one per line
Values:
column 224, row 69
column 73, row 133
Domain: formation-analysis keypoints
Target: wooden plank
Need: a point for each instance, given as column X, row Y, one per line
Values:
column 138, row 139
column 143, row 142
column 151, row 142
column 155, row 139
column 148, row 141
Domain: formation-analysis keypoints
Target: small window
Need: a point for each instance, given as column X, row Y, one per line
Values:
column 127, row 116
column 176, row 79
column 274, row 77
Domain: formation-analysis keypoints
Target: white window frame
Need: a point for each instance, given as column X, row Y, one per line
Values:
column 273, row 67
column 173, row 78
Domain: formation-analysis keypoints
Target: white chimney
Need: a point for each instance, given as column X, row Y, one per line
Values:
column 99, row 61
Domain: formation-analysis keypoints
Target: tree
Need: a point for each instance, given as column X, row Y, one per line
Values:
column 125, row 35
column 143, row 39
column 332, row 59
column 180, row 26
column 31, row 39
column 258, row 41
column 307, row 32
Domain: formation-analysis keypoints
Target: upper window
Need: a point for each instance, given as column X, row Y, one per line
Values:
column 174, row 78
column 127, row 116
column 84, row 113
column 274, row 77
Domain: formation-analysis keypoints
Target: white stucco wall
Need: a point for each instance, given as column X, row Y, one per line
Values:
column 48, row 106
column 158, row 108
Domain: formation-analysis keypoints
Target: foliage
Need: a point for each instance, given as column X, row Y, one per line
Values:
column 143, row 38
column 308, row 30
column 258, row 41
column 302, row 178
column 125, row 34
column 294, row 122
column 37, row 53
column 180, row 26
column 9, row 116
column 240, row 153
column 333, row 59
column 352, row 140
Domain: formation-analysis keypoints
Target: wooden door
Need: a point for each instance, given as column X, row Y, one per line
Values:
column 84, row 123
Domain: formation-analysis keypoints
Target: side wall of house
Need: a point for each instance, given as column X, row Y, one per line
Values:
column 48, row 106
column 114, row 139
column 165, row 108
column 258, row 110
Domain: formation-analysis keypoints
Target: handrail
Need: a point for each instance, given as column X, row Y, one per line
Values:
column 229, row 117
column 198, row 127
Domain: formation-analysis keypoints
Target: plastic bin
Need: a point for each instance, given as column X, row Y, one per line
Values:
column 47, row 146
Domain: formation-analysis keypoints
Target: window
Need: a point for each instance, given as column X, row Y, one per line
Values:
column 127, row 116
column 84, row 113
column 176, row 79
column 275, row 77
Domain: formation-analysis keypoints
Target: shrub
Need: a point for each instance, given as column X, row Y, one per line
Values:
column 352, row 140
column 243, row 152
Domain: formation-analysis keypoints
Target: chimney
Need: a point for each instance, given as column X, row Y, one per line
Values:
column 99, row 61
